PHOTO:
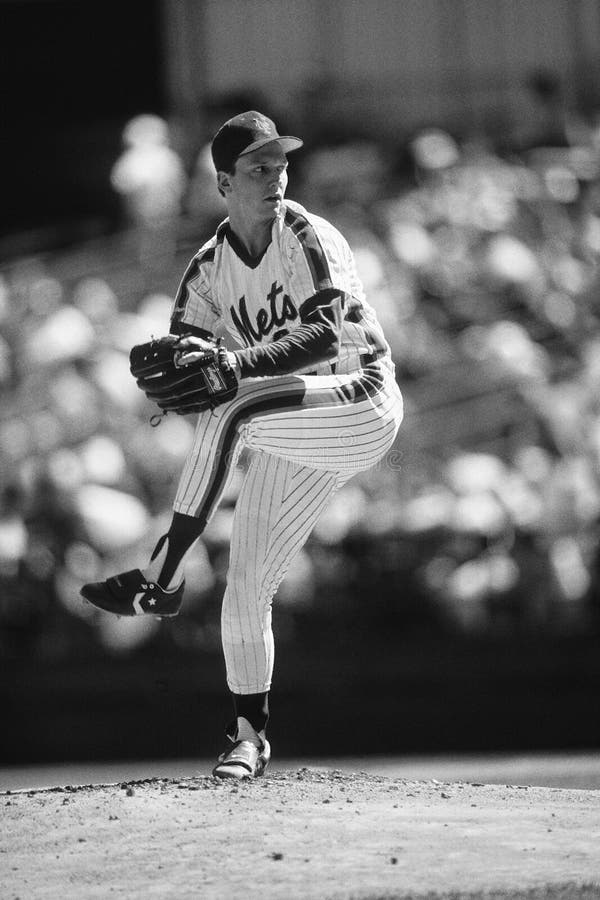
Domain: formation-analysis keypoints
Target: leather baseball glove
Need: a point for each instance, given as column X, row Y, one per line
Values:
column 183, row 374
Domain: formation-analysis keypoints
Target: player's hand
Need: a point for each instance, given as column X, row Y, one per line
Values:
column 202, row 382
column 191, row 349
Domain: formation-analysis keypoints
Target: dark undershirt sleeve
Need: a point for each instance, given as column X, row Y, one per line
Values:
column 314, row 341
column 181, row 328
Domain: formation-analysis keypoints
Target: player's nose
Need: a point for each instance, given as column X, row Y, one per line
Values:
column 277, row 175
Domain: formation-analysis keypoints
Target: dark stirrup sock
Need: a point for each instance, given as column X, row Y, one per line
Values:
column 254, row 708
column 184, row 531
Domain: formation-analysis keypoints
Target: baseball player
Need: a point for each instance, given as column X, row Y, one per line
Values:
column 316, row 403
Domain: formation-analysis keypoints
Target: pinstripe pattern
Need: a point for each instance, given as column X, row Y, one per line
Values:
column 341, row 423
column 314, row 253
column 275, row 513
column 306, row 255
column 193, row 309
column 310, row 434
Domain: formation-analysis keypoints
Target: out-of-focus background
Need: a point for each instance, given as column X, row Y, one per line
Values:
column 448, row 600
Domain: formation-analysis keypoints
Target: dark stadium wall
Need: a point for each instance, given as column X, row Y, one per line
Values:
column 73, row 73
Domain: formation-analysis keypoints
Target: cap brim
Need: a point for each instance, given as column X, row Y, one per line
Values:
column 286, row 142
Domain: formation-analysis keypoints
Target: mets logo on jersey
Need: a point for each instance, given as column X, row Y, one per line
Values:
column 269, row 321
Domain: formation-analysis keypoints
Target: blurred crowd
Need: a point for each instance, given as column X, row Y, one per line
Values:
column 484, row 269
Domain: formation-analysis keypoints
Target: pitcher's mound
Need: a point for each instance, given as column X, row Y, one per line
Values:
column 310, row 833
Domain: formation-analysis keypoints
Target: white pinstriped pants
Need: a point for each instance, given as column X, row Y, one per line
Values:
column 311, row 434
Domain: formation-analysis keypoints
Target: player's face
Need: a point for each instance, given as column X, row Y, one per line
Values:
column 259, row 182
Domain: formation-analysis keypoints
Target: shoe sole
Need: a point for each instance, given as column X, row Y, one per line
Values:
column 145, row 615
column 240, row 772
column 237, row 773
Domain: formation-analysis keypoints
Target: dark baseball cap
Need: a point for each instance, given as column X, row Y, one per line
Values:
column 244, row 133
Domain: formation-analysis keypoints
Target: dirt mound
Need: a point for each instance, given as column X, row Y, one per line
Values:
column 308, row 833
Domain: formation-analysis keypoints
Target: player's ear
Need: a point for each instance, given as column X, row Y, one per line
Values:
column 224, row 183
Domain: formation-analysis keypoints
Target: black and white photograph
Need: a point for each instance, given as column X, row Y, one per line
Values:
column 300, row 450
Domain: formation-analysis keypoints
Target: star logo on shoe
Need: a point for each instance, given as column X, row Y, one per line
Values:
column 151, row 601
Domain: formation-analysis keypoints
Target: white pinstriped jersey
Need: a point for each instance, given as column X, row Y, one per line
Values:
column 272, row 297
column 332, row 409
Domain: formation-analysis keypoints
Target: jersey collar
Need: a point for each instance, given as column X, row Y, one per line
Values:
column 240, row 251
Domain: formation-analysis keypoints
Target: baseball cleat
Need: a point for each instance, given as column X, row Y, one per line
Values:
column 246, row 758
column 130, row 594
